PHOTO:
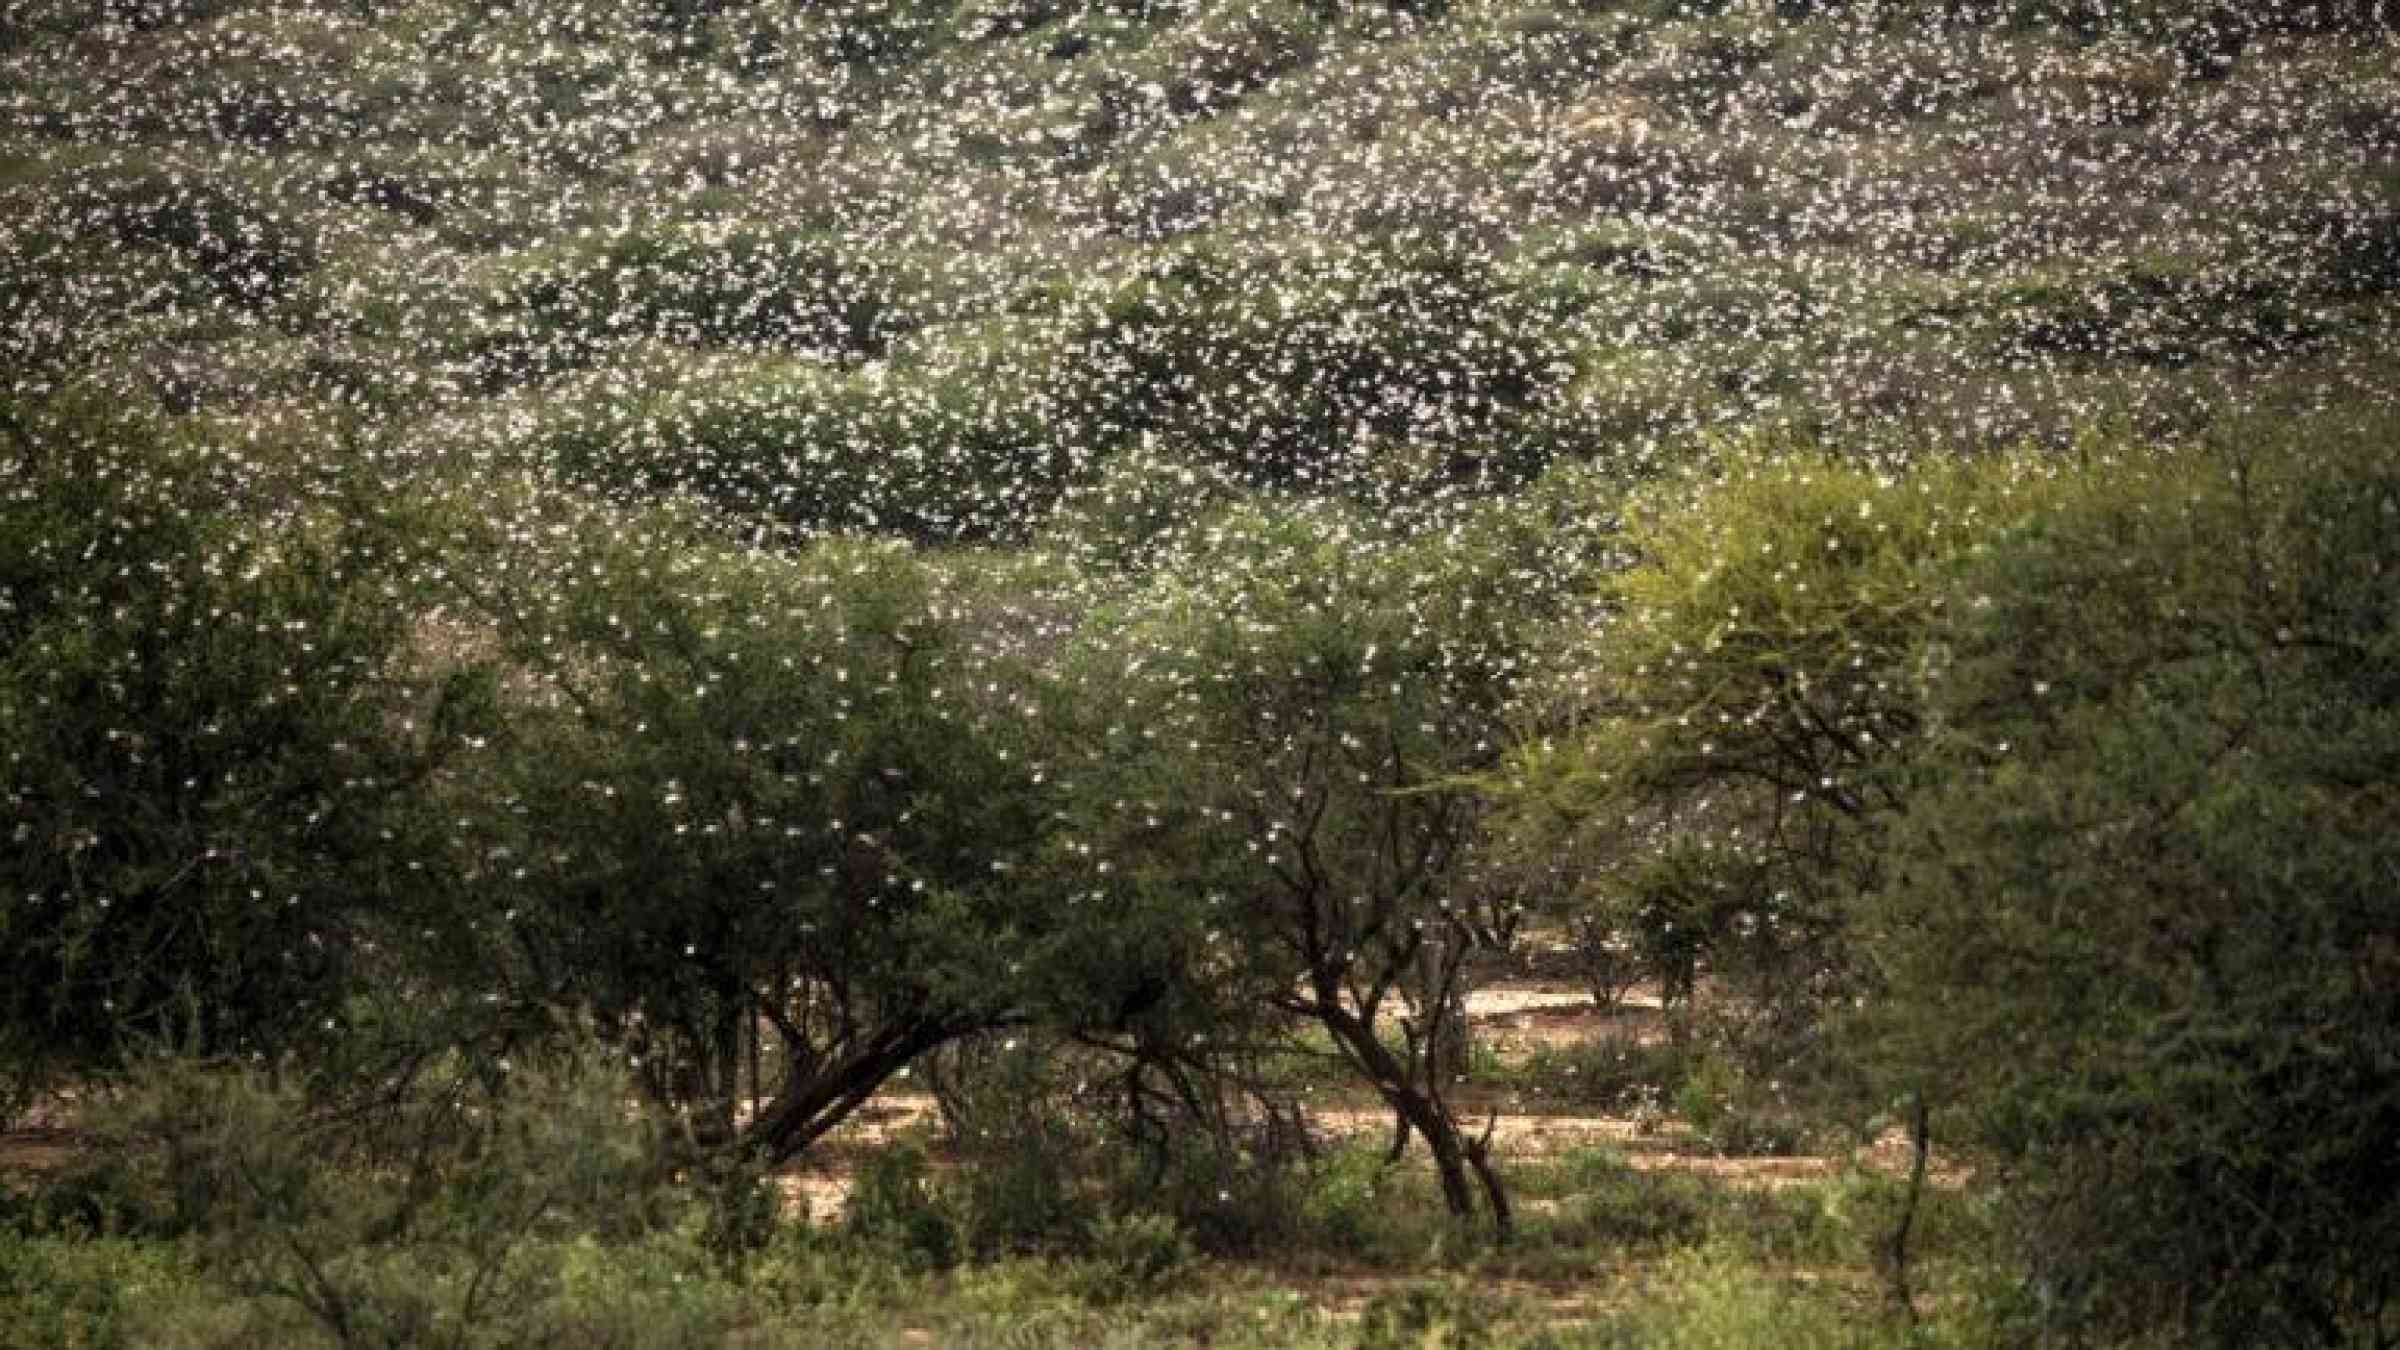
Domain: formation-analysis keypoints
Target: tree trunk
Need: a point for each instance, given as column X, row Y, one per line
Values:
column 1920, row 1138
column 810, row 1104
column 1504, row 1215
column 1443, row 1141
column 1442, row 1004
column 1423, row 1112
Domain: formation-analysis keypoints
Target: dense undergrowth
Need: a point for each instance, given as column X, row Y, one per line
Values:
column 583, row 589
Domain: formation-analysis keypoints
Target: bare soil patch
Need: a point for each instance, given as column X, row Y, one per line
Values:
column 1515, row 1018
column 40, row 1149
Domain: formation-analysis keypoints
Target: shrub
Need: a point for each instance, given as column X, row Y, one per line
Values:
column 1442, row 1316
column 1135, row 1256
column 1718, row 750
column 209, row 769
column 465, row 1207
column 1347, row 1195
column 558, row 307
column 89, row 1293
column 2138, row 925
column 248, row 253
column 896, row 1204
column 1029, row 1158
column 1733, row 1113
column 1301, row 373
column 1617, row 1075
column 1608, row 1202
column 1714, row 1299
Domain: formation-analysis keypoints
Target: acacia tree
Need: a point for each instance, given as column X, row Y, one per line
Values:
column 214, row 753
column 1288, row 716
column 1716, row 738
column 2138, row 932
column 760, row 812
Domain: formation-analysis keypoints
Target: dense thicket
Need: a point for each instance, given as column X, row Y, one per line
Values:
column 2139, row 922
column 217, row 749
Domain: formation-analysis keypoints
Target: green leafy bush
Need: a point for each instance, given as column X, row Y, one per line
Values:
column 700, row 285
column 453, row 1208
column 1446, row 1316
column 1606, row 1201
column 1136, row 1256
column 895, row 1203
column 84, row 1292
column 2138, row 925
column 206, row 747
column 1718, row 749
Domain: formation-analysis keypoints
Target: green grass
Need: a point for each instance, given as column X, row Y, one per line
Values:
column 1609, row 1256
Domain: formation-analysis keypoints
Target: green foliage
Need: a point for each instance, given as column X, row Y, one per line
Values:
column 1311, row 344
column 1138, row 509
column 1731, row 1112
column 1449, row 1316
column 1137, row 1256
column 1028, row 1146
column 1347, row 1194
column 450, row 1208
column 1710, row 1299
column 1619, row 1075
column 83, row 1292
column 769, row 816
column 896, row 1204
column 965, row 447
column 1609, row 1203
column 696, row 286
column 1721, row 752
column 1281, row 725
column 2137, row 923
column 207, row 747
column 247, row 256
column 1314, row 372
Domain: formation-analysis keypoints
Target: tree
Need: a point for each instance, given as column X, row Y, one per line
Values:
column 762, row 812
column 2138, row 927
column 1714, row 735
column 1288, row 718
column 212, row 750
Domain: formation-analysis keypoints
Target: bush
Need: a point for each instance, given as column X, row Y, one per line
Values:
column 453, row 1207
column 88, row 1293
column 896, row 1205
column 1608, row 1202
column 1028, row 1164
column 1733, row 1113
column 208, row 754
column 1713, row 1299
column 2138, row 927
column 1606, row 1073
column 1243, row 1195
column 1444, row 1316
column 246, row 252
column 1312, row 374
column 1136, row 1256
column 1721, row 755
column 1348, row 1196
